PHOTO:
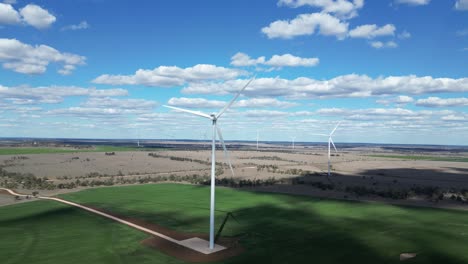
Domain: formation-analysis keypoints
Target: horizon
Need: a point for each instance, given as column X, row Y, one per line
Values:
column 128, row 140
column 394, row 71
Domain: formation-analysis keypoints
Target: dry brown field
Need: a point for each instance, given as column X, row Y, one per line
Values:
column 350, row 167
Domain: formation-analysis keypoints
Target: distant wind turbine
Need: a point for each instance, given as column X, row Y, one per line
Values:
column 216, row 131
column 293, row 139
column 330, row 141
column 257, row 139
column 138, row 138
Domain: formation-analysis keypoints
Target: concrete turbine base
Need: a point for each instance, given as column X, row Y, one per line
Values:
column 200, row 245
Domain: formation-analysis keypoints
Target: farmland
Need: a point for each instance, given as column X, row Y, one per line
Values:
column 273, row 228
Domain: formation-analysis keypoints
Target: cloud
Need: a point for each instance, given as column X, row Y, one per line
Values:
column 404, row 35
column 81, row 25
column 307, row 24
column 106, row 102
column 53, row 94
column 167, row 76
column 195, row 103
column 105, row 107
column 461, row 5
column 462, row 32
column 8, row 15
column 344, row 86
column 399, row 100
column 397, row 116
column 27, row 59
column 413, row 2
column 380, row 44
column 36, row 16
column 291, row 61
column 242, row 59
column 248, row 103
column 372, row 31
column 376, row 112
column 441, row 102
column 454, row 118
column 341, row 8
column 285, row 60
column 93, row 112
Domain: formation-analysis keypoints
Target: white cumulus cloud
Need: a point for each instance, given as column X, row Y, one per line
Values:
column 52, row 94
column 285, row 60
column 28, row 59
column 351, row 85
column 442, row 102
column 413, row 2
column 454, row 118
column 399, row 100
column 341, row 8
column 404, row 35
column 372, row 31
column 461, row 5
column 167, row 76
column 195, row 103
column 246, row 103
column 107, row 102
column 36, row 16
column 8, row 15
column 81, row 25
column 307, row 24
column 242, row 59
column 380, row 44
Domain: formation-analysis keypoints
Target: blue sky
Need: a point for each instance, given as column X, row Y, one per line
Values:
column 394, row 71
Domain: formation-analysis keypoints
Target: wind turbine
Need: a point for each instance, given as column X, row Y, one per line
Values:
column 216, row 131
column 330, row 141
column 138, row 138
column 293, row 139
column 257, row 139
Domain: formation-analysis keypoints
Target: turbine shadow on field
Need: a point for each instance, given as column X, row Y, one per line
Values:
column 279, row 228
column 445, row 177
column 276, row 234
column 425, row 177
column 61, row 211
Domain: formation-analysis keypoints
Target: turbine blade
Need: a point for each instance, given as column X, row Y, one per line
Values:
column 335, row 128
column 325, row 135
column 226, row 153
column 189, row 111
column 331, row 140
column 234, row 99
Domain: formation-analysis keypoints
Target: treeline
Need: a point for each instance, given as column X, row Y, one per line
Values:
column 275, row 169
column 24, row 180
column 434, row 194
column 204, row 162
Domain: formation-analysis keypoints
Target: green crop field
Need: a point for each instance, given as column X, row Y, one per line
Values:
column 45, row 150
column 429, row 158
column 274, row 228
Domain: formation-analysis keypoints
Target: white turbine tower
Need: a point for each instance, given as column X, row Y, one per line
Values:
column 330, row 141
column 293, row 139
column 257, row 139
column 216, row 131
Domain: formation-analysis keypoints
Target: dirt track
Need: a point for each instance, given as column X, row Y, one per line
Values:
column 164, row 239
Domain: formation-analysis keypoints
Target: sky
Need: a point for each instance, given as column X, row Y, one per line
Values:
column 391, row 71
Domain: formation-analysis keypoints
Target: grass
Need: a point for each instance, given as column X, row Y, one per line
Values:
column 275, row 228
column 45, row 150
column 429, row 158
